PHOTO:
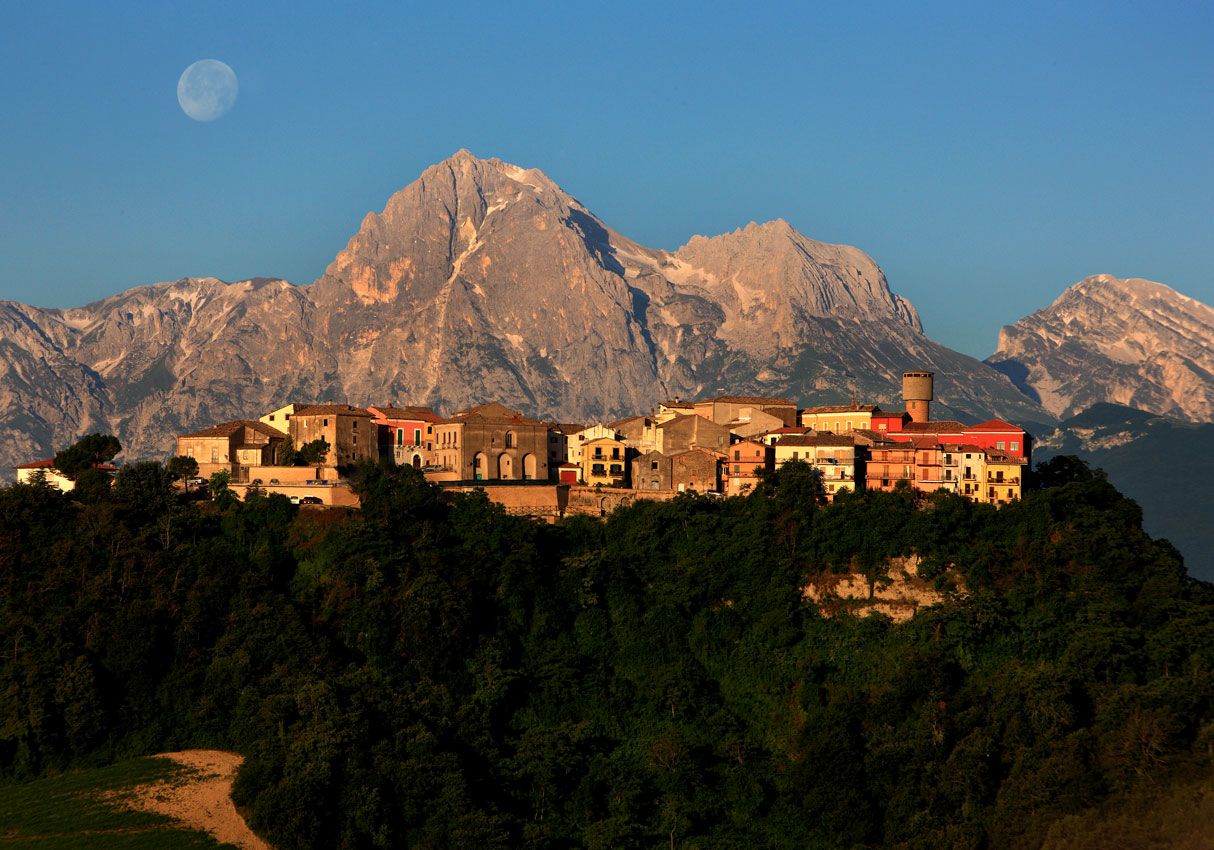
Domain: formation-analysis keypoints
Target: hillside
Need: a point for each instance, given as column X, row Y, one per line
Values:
column 429, row 671
column 1164, row 464
column 482, row 281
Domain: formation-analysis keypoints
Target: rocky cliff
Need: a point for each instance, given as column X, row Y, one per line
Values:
column 482, row 281
column 1130, row 342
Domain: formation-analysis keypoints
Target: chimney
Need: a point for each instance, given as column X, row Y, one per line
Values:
column 917, row 393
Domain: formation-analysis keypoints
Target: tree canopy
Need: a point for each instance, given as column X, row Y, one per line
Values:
column 430, row 671
column 87, row 453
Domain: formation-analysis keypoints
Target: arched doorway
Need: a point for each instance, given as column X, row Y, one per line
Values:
column 417, row 461
column 505, row 467
column 529, row 466
column 480, row 466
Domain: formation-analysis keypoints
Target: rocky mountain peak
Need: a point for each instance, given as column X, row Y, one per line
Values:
column 771, row 277
column 1124, row 341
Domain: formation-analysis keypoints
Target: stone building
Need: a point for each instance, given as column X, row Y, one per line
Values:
column 747, row 460
column 839, row 417
column 890, row 461
column 685, row 431
column 838, row 457
column 579, row 438
column 737, row 408
column 405, row 434
column 605, row 462
column 695, row 469
column 45, row 471
column 349, row 431
column 233, row 447
column 492, row 442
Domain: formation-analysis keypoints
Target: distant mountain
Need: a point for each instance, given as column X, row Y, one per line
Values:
column 1164, row 464
column 483, row 281
column 1132, row 342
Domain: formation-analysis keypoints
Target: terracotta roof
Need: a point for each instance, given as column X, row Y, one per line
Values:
column 568, row 428
column 825, row 439
column 789, row 429
column 996, row 457
column 680, row 418
column 492, row 412
column 906, row 445
column 750, row 399
column 49, row 463
column 677, row 403
column 870, row 433
column 842, row 408
column 624, row 421
column 589, row 443
column 994, row 425
column 331, row 410
column 422, row 414
column 702, row 449
column 227, row 429
column 943, row 427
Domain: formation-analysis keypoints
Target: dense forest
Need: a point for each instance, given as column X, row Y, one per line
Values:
column 430, row 672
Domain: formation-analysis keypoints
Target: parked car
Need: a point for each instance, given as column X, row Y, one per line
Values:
column 196, row 481
column 294, row 500
column 311, row 500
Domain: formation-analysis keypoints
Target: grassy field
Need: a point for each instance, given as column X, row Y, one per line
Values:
column 70, row 812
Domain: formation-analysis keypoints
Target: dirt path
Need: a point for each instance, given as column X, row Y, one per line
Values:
column 201, row 798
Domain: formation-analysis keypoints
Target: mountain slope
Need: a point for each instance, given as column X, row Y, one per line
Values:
column 1132, row 342
column 480, row 281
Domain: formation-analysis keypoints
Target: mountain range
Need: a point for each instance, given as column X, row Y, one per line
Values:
column 481, row 280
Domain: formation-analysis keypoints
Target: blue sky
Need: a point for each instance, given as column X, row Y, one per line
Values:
column 986, row 158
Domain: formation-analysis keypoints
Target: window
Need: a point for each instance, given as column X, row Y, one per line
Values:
column 400, row 436
column 509, row 439
column 653, row 464
column 1001, row 445
column 737, row 455
column 417, row 436
column 737, row 470
column 326, row 423
column 795, row 456
column 1015, row 445
column 615, row 453
column 880, row 426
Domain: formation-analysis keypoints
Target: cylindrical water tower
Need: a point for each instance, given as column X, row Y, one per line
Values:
column 917, row 393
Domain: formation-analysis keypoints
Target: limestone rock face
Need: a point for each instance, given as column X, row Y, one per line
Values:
column 1131, row 342
column 482, row 281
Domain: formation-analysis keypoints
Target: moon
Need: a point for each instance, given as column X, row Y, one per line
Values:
column 207, row 89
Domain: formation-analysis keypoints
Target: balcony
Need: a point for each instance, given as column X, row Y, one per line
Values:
column 995, row 479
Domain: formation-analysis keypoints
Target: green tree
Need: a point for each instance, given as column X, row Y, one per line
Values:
column 314, row 453
column 285, row 454
column 87, row 453
column 181, row 467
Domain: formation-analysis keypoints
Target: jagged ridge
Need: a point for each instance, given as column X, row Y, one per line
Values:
column 1132, row 342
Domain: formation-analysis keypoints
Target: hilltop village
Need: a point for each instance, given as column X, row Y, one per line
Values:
column 719, row 446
